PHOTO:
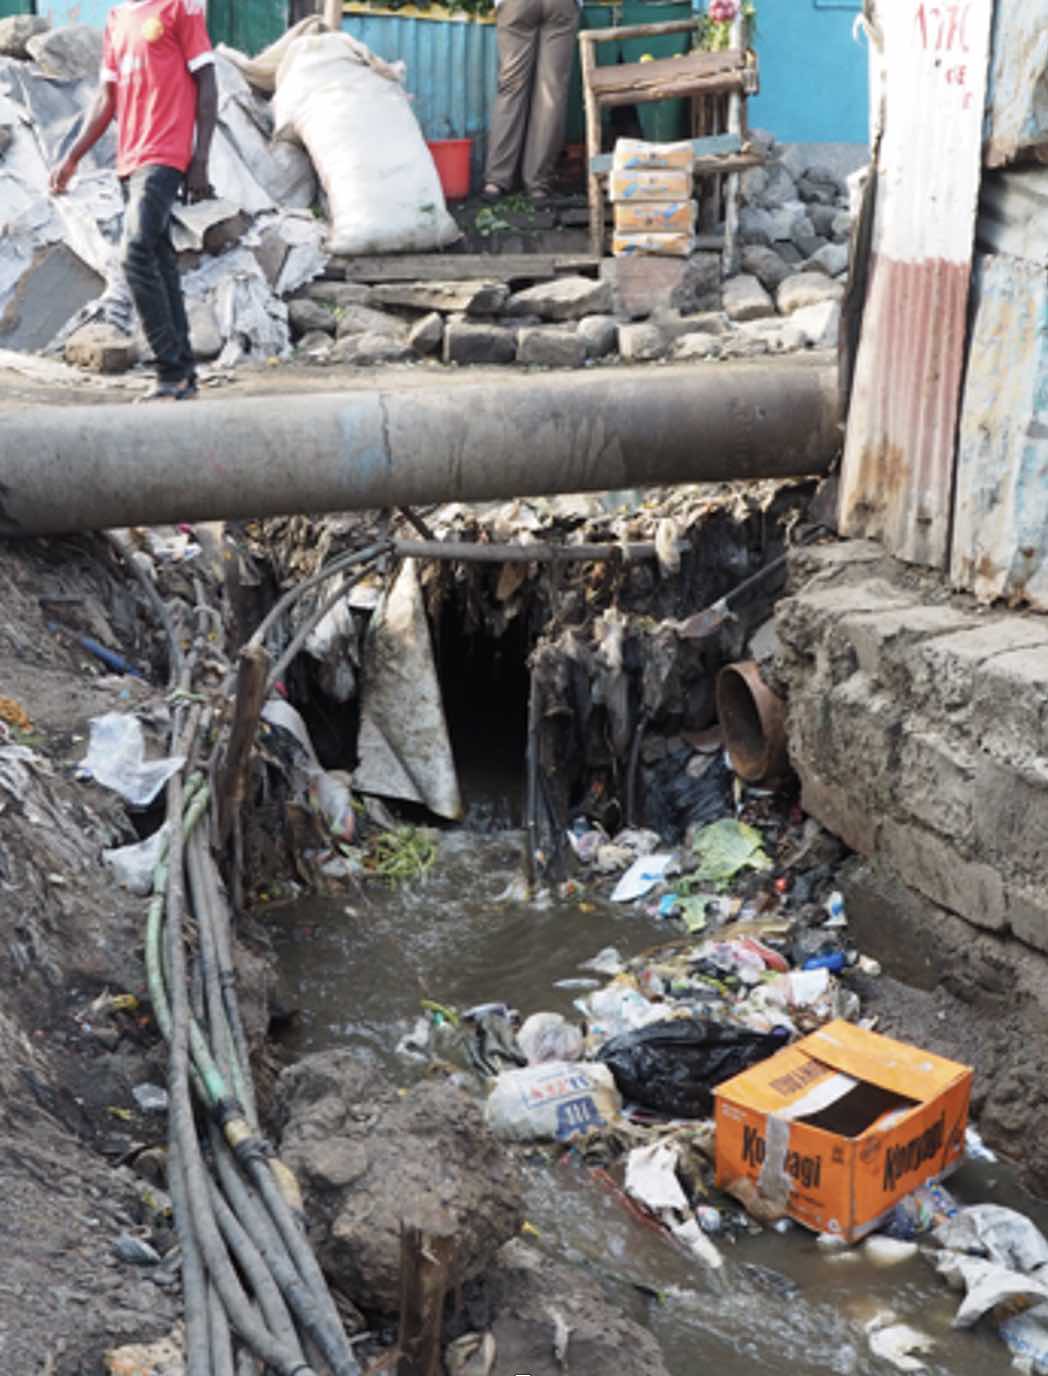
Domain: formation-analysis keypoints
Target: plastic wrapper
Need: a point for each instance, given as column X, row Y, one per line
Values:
column 674, row 1066
column 664, row 217
column 656, row 245
column 551, row 1102
column 649, row 186
column 549, row 1037
column 116, row 759
column 133, row 865
column 638, row 155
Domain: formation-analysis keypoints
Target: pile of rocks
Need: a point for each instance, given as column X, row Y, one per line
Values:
column 639, row 310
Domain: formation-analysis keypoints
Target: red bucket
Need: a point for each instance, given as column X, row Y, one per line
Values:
column 452, row 159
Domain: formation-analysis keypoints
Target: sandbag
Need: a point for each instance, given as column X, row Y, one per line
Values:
column 384, row 194
column 674, row 1066
column 551, row 1102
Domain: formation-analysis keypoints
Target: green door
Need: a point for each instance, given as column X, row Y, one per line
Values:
column 10, row 7
column 247, row 27
column 593, row 16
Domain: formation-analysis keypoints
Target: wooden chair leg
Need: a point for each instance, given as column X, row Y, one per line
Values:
column 593, row 141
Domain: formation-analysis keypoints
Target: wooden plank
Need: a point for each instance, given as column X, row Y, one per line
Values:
column 665, row 79
column 593, row 137
column 708, row 147
column 640, row 30
column 463, row 267
column 711, row 167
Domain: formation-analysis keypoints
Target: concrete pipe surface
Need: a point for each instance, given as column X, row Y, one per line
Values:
column 66, row 469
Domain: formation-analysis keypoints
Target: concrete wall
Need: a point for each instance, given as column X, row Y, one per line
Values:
column 919, row 729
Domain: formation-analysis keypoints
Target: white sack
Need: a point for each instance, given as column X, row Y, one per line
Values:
column 352, row 113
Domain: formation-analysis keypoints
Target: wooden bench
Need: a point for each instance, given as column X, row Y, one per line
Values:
column 719, row 80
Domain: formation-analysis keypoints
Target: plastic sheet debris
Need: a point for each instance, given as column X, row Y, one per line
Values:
column 673, row 1067
column 920, row 1212
column 605, row 962
column 896, row 1343
column 641, row 877
column 116, row 759
column 986, row 1285
column 1026, row 1337
column 651, row 1178
column 133, row 865
column 975, row 1147
column 551, row 1102
column 1003, row 1236
column 617, row 1008
column 550, row 1037
column 150, row 1098
column 889, row 1251
column 724, row 848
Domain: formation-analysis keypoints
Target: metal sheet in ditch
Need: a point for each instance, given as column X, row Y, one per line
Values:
column 1017, row 109
column 1000, row 546
column 897, row 476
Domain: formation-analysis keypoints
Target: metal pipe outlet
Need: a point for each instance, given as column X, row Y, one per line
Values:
column 66, row 469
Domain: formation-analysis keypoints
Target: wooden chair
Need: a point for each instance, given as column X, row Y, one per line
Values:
column 721, row 80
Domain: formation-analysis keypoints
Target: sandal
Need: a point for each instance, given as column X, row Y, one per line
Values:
column 185, row 389
column 492, row 192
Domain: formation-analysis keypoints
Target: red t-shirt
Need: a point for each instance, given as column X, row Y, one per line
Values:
column 151, row 50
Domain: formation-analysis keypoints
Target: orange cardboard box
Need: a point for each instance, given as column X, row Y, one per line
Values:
column 848, row 1121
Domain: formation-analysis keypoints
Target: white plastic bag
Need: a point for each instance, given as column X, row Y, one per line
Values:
column 553, row 1101
column 116, row 759
column 353, row 115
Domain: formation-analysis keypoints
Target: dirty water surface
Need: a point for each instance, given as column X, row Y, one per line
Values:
column 355, row 970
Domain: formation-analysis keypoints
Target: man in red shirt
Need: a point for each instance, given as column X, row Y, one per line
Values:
column 158, row 79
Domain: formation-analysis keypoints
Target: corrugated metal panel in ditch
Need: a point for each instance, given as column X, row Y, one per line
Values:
column 451, row 68
column 897, row 476
column 1013, row 214
column 1017, row 110
column 1000, row 544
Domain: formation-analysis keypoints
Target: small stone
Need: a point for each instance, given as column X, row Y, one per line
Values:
column 820, row 323
column 823, row 175
column 365, row 350
column 803, row 234
column 787, row 221
column 781, row 336
column 746, row 299
column 316, row 345
column 744, row 344
column 335, row 294
column 841, row 227
column 695, row 346
column 472, row 298
column 780, row 187
column 752, row 185
column 641, row 343
column 204, row 333
column 567, row 298
column 674, row 325
column 466, row 343
column 545, row 346
column 807, row 289
column 101, row 349
column 427, row 334
column 305, row 315
column 831, row 259
column 765, row 264
column 817, row 192
column 699, row 288
column 363, row 320
column 599, row 333
column 822, row 217
column 16, row 32
column 756, row 226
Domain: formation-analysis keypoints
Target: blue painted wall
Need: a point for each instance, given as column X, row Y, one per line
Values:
column 814, row 78
column 75, row 11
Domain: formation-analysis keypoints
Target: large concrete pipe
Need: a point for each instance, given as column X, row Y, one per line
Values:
column 65, row 469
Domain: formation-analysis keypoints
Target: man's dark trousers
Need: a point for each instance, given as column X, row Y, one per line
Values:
column 152, row 270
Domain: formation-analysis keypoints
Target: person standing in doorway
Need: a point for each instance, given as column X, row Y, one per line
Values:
column 536, row 42
column 158, row 80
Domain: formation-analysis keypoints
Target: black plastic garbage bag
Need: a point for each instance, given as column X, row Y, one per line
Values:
column 674, row 1066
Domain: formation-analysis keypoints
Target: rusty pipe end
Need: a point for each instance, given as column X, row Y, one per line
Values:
column 753, row 720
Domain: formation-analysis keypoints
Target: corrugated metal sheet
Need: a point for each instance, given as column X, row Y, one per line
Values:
column 1017, row 115
column 75, row 11
column 897, row 476
column 1000, row 546
column 1013, row 214
column 451, row 68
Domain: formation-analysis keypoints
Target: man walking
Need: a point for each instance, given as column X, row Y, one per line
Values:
column 158, row 79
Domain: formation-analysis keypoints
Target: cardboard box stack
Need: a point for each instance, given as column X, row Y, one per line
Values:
column 650, row 189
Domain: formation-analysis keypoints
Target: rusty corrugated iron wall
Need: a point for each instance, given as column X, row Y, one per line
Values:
column 897, row 476
column 1017, row 111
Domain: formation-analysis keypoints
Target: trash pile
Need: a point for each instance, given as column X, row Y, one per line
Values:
column 727, row 1081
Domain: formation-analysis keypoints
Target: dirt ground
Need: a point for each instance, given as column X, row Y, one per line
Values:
column 69, row 1123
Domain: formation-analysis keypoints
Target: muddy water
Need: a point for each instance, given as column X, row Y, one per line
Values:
column 357, row 972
